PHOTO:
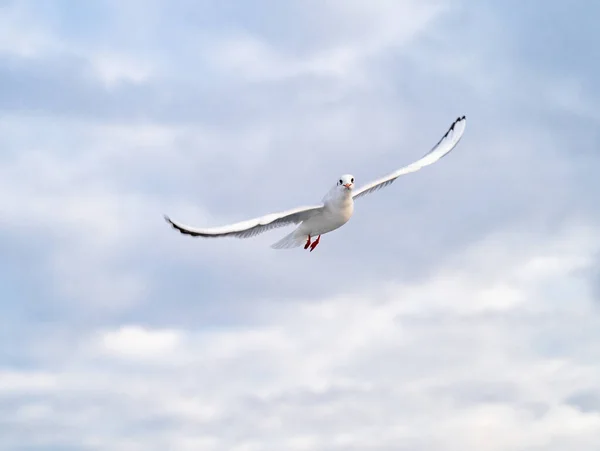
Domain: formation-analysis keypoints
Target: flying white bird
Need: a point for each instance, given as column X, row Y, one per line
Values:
column 335, row 208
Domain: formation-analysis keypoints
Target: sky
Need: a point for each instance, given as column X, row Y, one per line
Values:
column 457, row 310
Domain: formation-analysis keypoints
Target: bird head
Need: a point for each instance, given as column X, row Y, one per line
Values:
column 346, row 182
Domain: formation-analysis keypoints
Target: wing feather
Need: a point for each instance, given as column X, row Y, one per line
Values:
column 442, row 148
column 251, row 227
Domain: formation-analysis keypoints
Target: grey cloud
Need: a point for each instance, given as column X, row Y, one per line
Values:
column 556, row 37
column 237, row 148
column 586, row 401
column 427, row 220
column 476, row 392
column 486, row 175
column 65, row 86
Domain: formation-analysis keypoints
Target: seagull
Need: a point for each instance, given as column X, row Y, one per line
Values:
column 336, row 207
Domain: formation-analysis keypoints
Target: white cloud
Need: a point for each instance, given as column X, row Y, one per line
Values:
column 355, row 33
column 22, row 35
column 485, row 351
column 69, row 192
column 374, row 369
column 19, row 382
column 135, row 342
column 79, row 213
column 112, row 69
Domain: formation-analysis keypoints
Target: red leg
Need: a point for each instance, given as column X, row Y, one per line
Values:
column 307, row 243
column 312, row 247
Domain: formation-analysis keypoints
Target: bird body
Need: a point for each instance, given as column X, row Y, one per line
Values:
column 335, row 209
column 338, row 207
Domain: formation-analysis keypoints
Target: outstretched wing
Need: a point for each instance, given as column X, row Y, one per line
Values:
column 251, row 227
column 443, row 147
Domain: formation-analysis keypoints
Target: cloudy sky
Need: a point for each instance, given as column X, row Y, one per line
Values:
column 457, row 310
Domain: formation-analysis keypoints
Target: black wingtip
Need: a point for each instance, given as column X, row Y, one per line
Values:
column 178, row 228
column 458, row 119
column 171, row 223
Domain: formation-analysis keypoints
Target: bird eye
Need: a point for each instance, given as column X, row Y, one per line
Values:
column 352, row 181
column 341, row 181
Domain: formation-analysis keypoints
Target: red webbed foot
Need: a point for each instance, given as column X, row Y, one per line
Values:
column 315, row 243
column 307, row 243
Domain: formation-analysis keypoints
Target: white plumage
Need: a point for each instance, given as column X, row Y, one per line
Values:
column 335, row 209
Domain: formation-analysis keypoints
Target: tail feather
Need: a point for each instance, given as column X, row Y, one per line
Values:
column 289, row 241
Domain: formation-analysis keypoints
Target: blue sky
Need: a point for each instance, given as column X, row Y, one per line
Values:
column 457, row 310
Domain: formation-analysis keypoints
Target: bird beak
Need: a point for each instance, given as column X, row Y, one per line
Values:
column 348, row 185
